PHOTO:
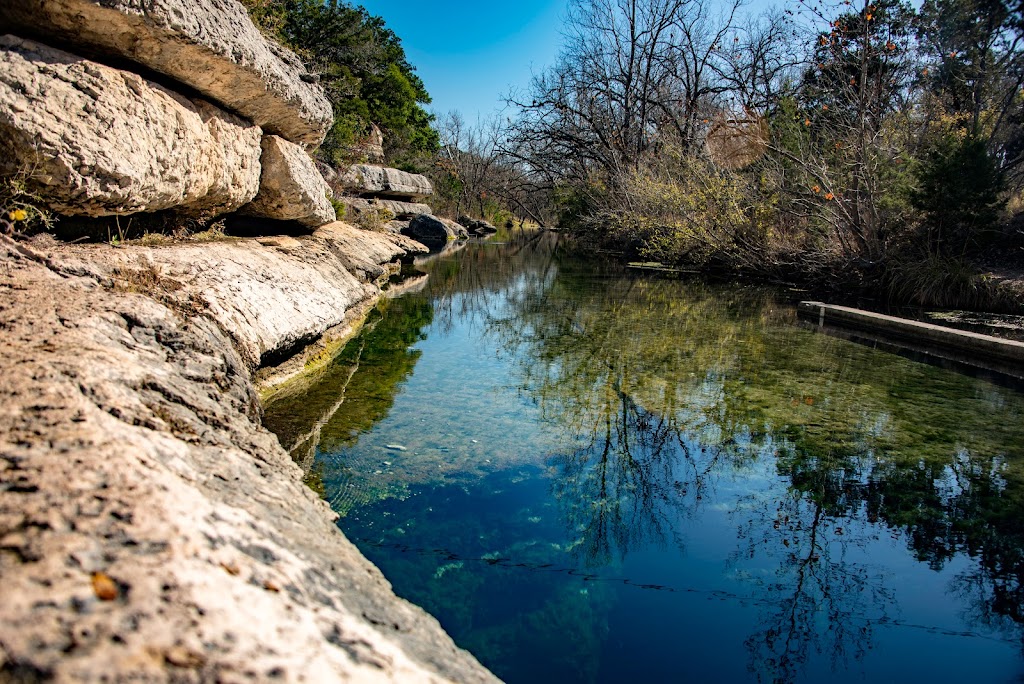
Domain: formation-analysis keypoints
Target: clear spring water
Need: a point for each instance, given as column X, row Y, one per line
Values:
column 589, row 476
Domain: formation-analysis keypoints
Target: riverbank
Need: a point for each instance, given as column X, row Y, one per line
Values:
column 587, row 475
column 150, row 527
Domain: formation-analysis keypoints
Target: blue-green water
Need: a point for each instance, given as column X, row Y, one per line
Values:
column 588, row 476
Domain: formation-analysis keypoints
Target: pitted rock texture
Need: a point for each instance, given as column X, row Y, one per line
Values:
column 96, row 141
column 150, row 528
column 209, row 45
column 379, row 181
column 291, row 187
column 269, row 298
column 401, row 210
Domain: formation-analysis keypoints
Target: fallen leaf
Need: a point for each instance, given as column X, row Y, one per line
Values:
column 104, row 587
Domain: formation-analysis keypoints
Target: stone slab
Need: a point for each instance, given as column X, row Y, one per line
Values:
column 962, row 346
column 96, row 141
column 209, row 45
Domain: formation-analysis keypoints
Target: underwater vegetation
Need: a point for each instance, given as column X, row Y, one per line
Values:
column 604, row 476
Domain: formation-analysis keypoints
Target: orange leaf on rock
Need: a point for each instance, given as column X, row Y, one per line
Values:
column 104, row 587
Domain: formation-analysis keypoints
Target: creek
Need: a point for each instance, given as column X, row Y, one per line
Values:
column 588, row 475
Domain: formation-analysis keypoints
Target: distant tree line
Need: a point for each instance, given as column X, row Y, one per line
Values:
column 850, row 141
column 862, row 137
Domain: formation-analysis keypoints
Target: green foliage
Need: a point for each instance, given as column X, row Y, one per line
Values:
column 340, row 208
column 364, row 70
column 375, row 217
column 21, row 210
column 959, row 193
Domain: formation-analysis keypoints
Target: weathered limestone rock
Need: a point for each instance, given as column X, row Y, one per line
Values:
column 433, row 231
column 96, row 141
column 371, row 148
column 398, row 227
column 455, row 227
column 210, row 45
column 150, row 528
column 478, row 227
column 291, row 187
column 401, row 210
column 378, row 181
column 269, row 299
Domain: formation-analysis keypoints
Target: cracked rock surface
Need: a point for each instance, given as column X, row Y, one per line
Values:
column 97, row 141
column 150, row 528
column 209, row 45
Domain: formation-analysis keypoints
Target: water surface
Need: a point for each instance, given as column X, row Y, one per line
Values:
column 589, row 476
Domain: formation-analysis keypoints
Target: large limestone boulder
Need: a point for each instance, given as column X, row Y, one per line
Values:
column 291, row 187
column 95, row 141
column 477, row 227
column 379, row 181
column 434, row 232
column 210, row 45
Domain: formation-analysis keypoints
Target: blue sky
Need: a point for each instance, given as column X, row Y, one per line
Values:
column 470, row 52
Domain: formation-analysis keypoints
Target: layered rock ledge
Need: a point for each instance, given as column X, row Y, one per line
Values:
column 367, row 180
column 97, row 141
column 209, row 45
column 150, row 528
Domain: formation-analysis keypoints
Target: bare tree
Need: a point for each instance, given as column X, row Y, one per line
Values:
column 475, row 175
column 631, row 72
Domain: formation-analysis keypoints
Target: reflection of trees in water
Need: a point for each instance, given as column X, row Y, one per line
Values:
column 973, row 505
column 817, row 600
column 665, row 386
column 348, row 397
column 612, row 488
column 472, row 284
column 603, row 364
column 840, row 499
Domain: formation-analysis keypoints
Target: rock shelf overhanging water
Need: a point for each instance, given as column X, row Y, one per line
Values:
column 150, row 528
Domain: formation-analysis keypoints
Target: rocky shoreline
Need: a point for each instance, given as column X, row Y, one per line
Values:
column 150, row 528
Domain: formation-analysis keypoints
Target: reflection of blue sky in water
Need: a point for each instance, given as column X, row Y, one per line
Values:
column 590, row 478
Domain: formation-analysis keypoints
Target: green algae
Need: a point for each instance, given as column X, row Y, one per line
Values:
column 566, row 417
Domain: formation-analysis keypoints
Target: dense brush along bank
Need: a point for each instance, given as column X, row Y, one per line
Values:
column 594, row 476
